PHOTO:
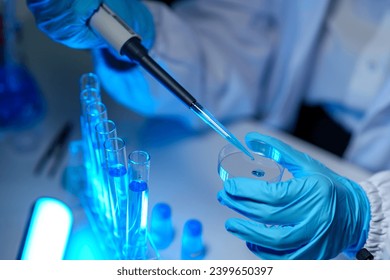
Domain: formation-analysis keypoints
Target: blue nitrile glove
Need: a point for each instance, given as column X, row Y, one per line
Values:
column 65, row 21
column 315, row 215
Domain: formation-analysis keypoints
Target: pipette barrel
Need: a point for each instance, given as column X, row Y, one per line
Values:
column 128, row 43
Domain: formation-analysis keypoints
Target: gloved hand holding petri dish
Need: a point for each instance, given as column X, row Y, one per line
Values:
column 299, row 217
column 234, row 163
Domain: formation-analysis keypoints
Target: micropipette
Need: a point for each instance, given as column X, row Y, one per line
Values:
column 124, row 40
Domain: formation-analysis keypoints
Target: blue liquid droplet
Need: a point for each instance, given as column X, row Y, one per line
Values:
column 258, row 173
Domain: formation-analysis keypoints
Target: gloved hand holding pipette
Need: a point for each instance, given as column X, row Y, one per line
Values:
column 120, row 35
column 316, row 215
column 65, row 21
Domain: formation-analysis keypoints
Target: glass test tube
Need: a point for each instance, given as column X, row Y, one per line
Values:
column 87, row 96
column 104, row 130
column 89, row 80
column 89, row 92
column 137, row 206
column 115, row 149
column 96, row 112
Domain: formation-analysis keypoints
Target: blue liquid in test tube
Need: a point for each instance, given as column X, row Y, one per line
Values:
column 106, row 129
column 115, row 149
column 118, row 180
column 96, row 112
column 87, row 97
column 137, row 206
column 137, row 211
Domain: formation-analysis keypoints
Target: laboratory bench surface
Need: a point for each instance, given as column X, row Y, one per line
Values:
column 183, row 174
column 183, row 169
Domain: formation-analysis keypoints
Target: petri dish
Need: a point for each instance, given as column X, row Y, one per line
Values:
column 234, row 163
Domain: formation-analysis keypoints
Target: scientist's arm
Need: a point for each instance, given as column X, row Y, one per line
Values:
column 315, row 215
column 218, row 50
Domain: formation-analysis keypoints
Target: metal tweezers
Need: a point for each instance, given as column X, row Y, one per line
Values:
column 55, row 150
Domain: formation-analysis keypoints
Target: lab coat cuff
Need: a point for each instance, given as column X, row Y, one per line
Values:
column 377, row 189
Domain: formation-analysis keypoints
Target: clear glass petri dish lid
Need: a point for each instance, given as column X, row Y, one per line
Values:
column 234, row 163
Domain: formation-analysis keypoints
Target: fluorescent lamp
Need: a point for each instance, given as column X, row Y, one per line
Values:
column 49, row 230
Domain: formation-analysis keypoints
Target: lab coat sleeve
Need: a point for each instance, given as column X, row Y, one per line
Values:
column 377, row 189
column 216, row 49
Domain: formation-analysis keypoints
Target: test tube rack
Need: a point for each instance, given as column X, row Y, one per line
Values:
column 115, row 194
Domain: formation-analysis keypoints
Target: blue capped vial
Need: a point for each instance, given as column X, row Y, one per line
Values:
column 161, row 227
column 192, row 241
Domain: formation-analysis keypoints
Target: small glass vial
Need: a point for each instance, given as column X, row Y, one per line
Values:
column 161, row 228
column 192, row 247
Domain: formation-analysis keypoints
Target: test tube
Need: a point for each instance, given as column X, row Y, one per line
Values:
column 137, row 206
column 89, row 81
column 87, row 96
column 89, row 92
column 115, row 149
column 106, row 129
column 192, row 241
column 161, row 228
column 96, row 112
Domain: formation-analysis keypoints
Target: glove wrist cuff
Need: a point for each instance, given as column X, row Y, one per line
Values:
column 377, row 188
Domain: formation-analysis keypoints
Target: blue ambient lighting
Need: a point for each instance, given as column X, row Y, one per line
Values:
column 49, row 230
column 84, row 244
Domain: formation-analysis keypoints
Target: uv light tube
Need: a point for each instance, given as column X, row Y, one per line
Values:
column 49, row 230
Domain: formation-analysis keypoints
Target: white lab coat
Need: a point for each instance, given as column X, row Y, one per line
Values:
column 257, row 62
